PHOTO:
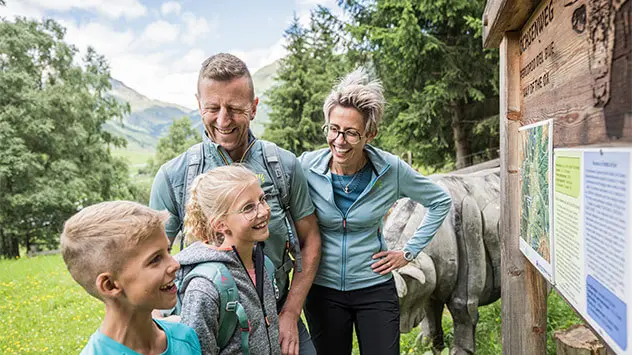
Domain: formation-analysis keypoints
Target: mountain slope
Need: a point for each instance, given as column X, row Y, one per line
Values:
column 137, row 101
column 150, row 119
column 263, row 80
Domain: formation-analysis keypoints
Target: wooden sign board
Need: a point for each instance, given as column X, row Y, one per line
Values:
column 576, row 69
column 568, row 62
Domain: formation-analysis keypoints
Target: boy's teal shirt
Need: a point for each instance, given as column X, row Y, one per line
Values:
column 169, row 183
column 181, row 339
column 349, row 240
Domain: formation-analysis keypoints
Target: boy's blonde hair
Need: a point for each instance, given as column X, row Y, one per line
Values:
column 98, row 238
column 212, row 194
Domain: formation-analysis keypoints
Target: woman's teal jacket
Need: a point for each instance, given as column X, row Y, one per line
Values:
column 350, row 240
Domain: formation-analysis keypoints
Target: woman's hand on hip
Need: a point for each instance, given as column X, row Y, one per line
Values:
column 389, row 260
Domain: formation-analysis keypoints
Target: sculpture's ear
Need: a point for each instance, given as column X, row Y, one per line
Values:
column 400, row 284
column 413, row 272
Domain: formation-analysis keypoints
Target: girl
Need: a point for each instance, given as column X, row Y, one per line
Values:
column 226, row 216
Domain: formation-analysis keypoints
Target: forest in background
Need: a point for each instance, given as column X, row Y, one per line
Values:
column 441, row 88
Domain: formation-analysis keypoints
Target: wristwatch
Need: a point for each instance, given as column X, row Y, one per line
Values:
column 408, row 256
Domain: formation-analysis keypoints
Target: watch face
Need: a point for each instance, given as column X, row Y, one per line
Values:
column 408, row 256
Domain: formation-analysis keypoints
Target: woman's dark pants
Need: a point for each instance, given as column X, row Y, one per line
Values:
column 331, row 315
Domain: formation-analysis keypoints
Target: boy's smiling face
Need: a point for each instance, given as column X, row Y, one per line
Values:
column 147, row 275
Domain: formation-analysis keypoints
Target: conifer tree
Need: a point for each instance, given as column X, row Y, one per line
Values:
column 305, row 77
column 440, row 85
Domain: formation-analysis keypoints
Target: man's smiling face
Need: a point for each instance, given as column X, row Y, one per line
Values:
column 227, row 107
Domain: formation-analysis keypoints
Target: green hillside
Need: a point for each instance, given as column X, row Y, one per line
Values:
column 150, row 119
column 263, row 80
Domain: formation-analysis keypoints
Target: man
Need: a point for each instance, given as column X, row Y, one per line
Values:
column 227, row 104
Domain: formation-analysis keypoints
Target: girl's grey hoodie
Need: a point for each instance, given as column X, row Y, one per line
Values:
column 200, row 305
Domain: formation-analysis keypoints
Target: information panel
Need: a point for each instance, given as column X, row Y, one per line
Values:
column 593, row 239
column 535, row 186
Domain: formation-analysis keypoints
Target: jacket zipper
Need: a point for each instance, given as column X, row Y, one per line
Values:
column 263, row 307
column 344, row 236
column 343, row 270
column 344, row 252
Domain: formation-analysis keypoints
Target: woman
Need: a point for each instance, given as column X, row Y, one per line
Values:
column 353, row 185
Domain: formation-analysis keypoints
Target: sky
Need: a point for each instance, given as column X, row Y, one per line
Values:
column 156, row 47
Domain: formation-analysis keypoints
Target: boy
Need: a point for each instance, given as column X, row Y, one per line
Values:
column 117, row 251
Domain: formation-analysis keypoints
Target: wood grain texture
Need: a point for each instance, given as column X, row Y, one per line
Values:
column 501, row 16
column 523, row 289
column 576, row 70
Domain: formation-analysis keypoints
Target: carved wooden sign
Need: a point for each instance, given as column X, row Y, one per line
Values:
column 568, row 62
column 576, row 71
column 576, row 68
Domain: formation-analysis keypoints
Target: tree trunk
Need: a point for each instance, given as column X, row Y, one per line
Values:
column 28, row 244
column 578, row 340
column 461, row 145
column 9, row 246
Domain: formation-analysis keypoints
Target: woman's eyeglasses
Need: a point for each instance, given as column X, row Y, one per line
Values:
column 350, row 135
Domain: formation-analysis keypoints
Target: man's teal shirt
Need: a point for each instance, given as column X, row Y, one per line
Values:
column 169, row 183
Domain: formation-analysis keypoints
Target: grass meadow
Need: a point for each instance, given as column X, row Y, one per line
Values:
column 135, row 155
column 44, row 311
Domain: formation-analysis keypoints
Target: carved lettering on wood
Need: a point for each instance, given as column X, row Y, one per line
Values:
column 576, row 68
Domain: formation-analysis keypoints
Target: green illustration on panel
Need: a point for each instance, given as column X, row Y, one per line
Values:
column 534, row 223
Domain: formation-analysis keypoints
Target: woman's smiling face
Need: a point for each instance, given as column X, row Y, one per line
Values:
column 346, row 119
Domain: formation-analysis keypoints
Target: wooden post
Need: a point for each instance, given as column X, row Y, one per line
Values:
column 523, row 289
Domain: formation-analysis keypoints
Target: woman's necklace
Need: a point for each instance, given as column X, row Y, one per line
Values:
column 349, row 188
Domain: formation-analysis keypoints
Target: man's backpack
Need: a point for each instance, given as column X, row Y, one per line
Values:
column 273, row 164
column 231, row 312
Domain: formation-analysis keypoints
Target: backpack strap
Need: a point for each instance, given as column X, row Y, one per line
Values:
column 244, row 327
column 231, row 311
column 194, row 167
column 273, row 163
column 270, row 269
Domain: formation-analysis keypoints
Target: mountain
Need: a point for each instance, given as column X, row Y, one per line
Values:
column 263, row 80
column 138, row 101
column 150, row 119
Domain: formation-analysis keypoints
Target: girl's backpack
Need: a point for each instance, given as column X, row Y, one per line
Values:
column 231, row 312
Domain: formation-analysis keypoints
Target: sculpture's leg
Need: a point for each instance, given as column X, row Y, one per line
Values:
column 471, row 277
column 431, row 328
column 464, row 329
column 491, row 217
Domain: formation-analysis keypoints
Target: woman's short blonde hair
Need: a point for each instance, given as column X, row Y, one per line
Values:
column 212, row 194
column 358, row 91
